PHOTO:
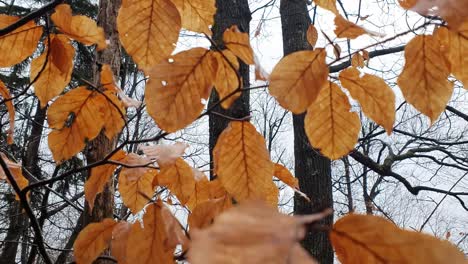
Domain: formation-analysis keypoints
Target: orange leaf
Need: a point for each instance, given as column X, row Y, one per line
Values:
column 227, row 81
column 249, row 233
column 312, row 35
column 372, row 239
column 455, row 48
column 347, row 29
column 93, row 240
column 119, row 243
column 327, row 4
column 177, row 86
column 152, row 36
column 424, row 80
column 197, row 15
column 298, row 78
column 179, row 178
column 79, row 28
column 76, row 117
column 148, row 244
column 19, row 44
column 200, row 194
column 16, row 171
column 99, row 177
column 136, row 188
column 56, row 74
column 375, row 96
column 239, row 44
column 284, row 175
column 330, row 126
column 242, row 162
column 175, row 233
column 204, row 213
column 5, row 94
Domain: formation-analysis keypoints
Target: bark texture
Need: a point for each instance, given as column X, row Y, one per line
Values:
column 101, row 146
column 312, row 169
column 229, row 12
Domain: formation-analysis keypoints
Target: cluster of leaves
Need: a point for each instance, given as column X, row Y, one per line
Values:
column 178, row 84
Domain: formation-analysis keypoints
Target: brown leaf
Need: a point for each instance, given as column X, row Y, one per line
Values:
column 239, row 44
column 152, row 37
column 455, row 48
column 197, row 15
column 375, row 96
column 242, row 162
column 424, row 80
column 99, row 177
column 358, row 60
column 327, row 4
column 79, row 28
column 177, row 86
column 372, row 239
column 5, row 95
column 204, row 213
column 148, row 244
column 56, row 74
column 298, row 78
column 201, row 192
column 136, row 188
column 227, row 80
column 175, row 233
column 330, row 126
column 179, row 178
column 76, row 117
column 165, row 155
column 119, row 243
column 312, row 35
column 454, row 12
column 347, row 29
column 93, row 240
column 19, row 44
column 249, row 233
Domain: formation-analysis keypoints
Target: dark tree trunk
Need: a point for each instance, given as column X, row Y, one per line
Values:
column 312, row 169
column 229, row 12
column 18, row 220
column 101, row 146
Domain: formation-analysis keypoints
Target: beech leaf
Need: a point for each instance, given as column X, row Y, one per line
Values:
column 197, row 15
column 19, row 44
column 298, row 78
column 242, row 163
column 56, row 74
column 375, row 96
column 93, row 240
column 177, row 86
column 424, row 80
column 329, row 124
column 239, row 44
column 179, row 178
column 372, row 239
column 148, row 30
column 249, row 233
column 165, row 155
column 79, row 28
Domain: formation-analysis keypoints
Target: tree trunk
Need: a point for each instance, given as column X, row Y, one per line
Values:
column 229, row 12
column 312, row 169
column 101, row 146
